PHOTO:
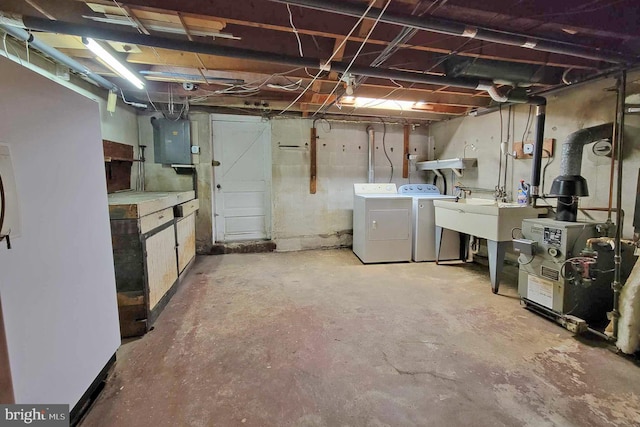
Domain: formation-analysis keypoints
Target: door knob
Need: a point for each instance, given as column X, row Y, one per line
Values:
column 218, row 186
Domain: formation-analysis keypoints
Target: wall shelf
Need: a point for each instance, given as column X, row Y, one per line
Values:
column 457, row 165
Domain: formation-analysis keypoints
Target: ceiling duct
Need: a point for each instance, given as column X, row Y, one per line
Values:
column 513, row 73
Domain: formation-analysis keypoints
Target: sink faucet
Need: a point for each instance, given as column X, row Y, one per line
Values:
column 500, row 194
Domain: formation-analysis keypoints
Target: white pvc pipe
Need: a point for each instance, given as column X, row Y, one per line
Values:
column 372, row 158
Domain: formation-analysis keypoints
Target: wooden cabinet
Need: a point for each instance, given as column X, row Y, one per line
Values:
column 153, row 236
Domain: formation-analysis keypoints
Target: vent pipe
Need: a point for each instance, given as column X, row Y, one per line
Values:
column 570, row 184
column 372, row 150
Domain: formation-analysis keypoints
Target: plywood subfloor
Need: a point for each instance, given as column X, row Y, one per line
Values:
column 318, row 339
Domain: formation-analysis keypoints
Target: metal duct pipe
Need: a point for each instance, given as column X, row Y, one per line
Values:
column 492, row 90
column 233, row 52
column 570, row 184
column 24, row 36
column 536, row 165
column 571, row 158
column 372, row 150
column 454, row 28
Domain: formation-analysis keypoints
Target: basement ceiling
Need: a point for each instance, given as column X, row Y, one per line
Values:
column 271, row 88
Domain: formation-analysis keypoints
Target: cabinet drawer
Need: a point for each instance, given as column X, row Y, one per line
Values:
column 149, row 222
column 186, row 209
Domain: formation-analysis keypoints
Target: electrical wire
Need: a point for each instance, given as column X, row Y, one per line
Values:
column 578, row 10
column 295, row 32
column 364, row 42
column 335, row 52
column 526, row 126
column 544, row 170
column 384, row 147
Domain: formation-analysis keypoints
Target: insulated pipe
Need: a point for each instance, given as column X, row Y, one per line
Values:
column 617, row 258
column 492, row 90
column 24, row 36
column 571, row 158
column 240, row 53
column 454, row 28
column 372, row 150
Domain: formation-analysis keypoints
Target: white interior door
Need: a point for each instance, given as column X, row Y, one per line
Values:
column 242, row 180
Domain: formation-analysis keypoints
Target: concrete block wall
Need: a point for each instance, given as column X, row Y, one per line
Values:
column 569, row 110
column 306, row 221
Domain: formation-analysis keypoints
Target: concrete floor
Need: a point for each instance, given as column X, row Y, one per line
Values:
column 318, row 339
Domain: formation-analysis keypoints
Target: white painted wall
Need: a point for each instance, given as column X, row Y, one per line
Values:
column 567, row 111
column 120, row 126
column 57, row 283
column 304, row 221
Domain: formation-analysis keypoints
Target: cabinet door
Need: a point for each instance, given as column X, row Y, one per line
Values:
column 186, row 232
column 162, row 271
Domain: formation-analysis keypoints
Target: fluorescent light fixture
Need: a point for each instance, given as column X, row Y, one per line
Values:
column 112, row 62
column 385, row 104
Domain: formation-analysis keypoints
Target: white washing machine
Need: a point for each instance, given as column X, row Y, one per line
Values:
column 381, row 223
column 424, row 225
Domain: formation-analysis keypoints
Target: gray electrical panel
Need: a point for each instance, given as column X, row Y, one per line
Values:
column 171, row 141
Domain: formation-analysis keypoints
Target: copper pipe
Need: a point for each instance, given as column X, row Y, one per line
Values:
column 599, row 209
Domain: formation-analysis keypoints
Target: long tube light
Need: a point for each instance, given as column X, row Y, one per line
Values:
column 112, row 62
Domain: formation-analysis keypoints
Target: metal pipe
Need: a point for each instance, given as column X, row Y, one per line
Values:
column 58, row 56
column 617, row 258
column 572, row 148
column 537, row 152
column 612, row 166
column 372, row 149
column 493, row 92
column 240, row 53
column 83, row 30
column 461, row 29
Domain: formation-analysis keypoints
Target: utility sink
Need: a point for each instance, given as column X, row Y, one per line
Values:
column 482, row 202
column 482, row 217
column 485, row 219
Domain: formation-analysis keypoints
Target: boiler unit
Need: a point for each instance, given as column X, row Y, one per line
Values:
column 553, row 278
column 567, row 267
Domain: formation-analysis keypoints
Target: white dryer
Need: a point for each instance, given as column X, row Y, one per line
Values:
column 424, row 225
column 381, row 223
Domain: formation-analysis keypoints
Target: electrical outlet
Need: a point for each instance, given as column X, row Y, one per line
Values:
column 527, row 148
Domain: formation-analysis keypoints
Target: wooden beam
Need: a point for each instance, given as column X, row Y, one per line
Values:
column 423, row 41
column 338, row 56
column 135, row 19
column 190, row 37
column 405, row 153
column 39, row 8
column 313, row 161
column 367, row 23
